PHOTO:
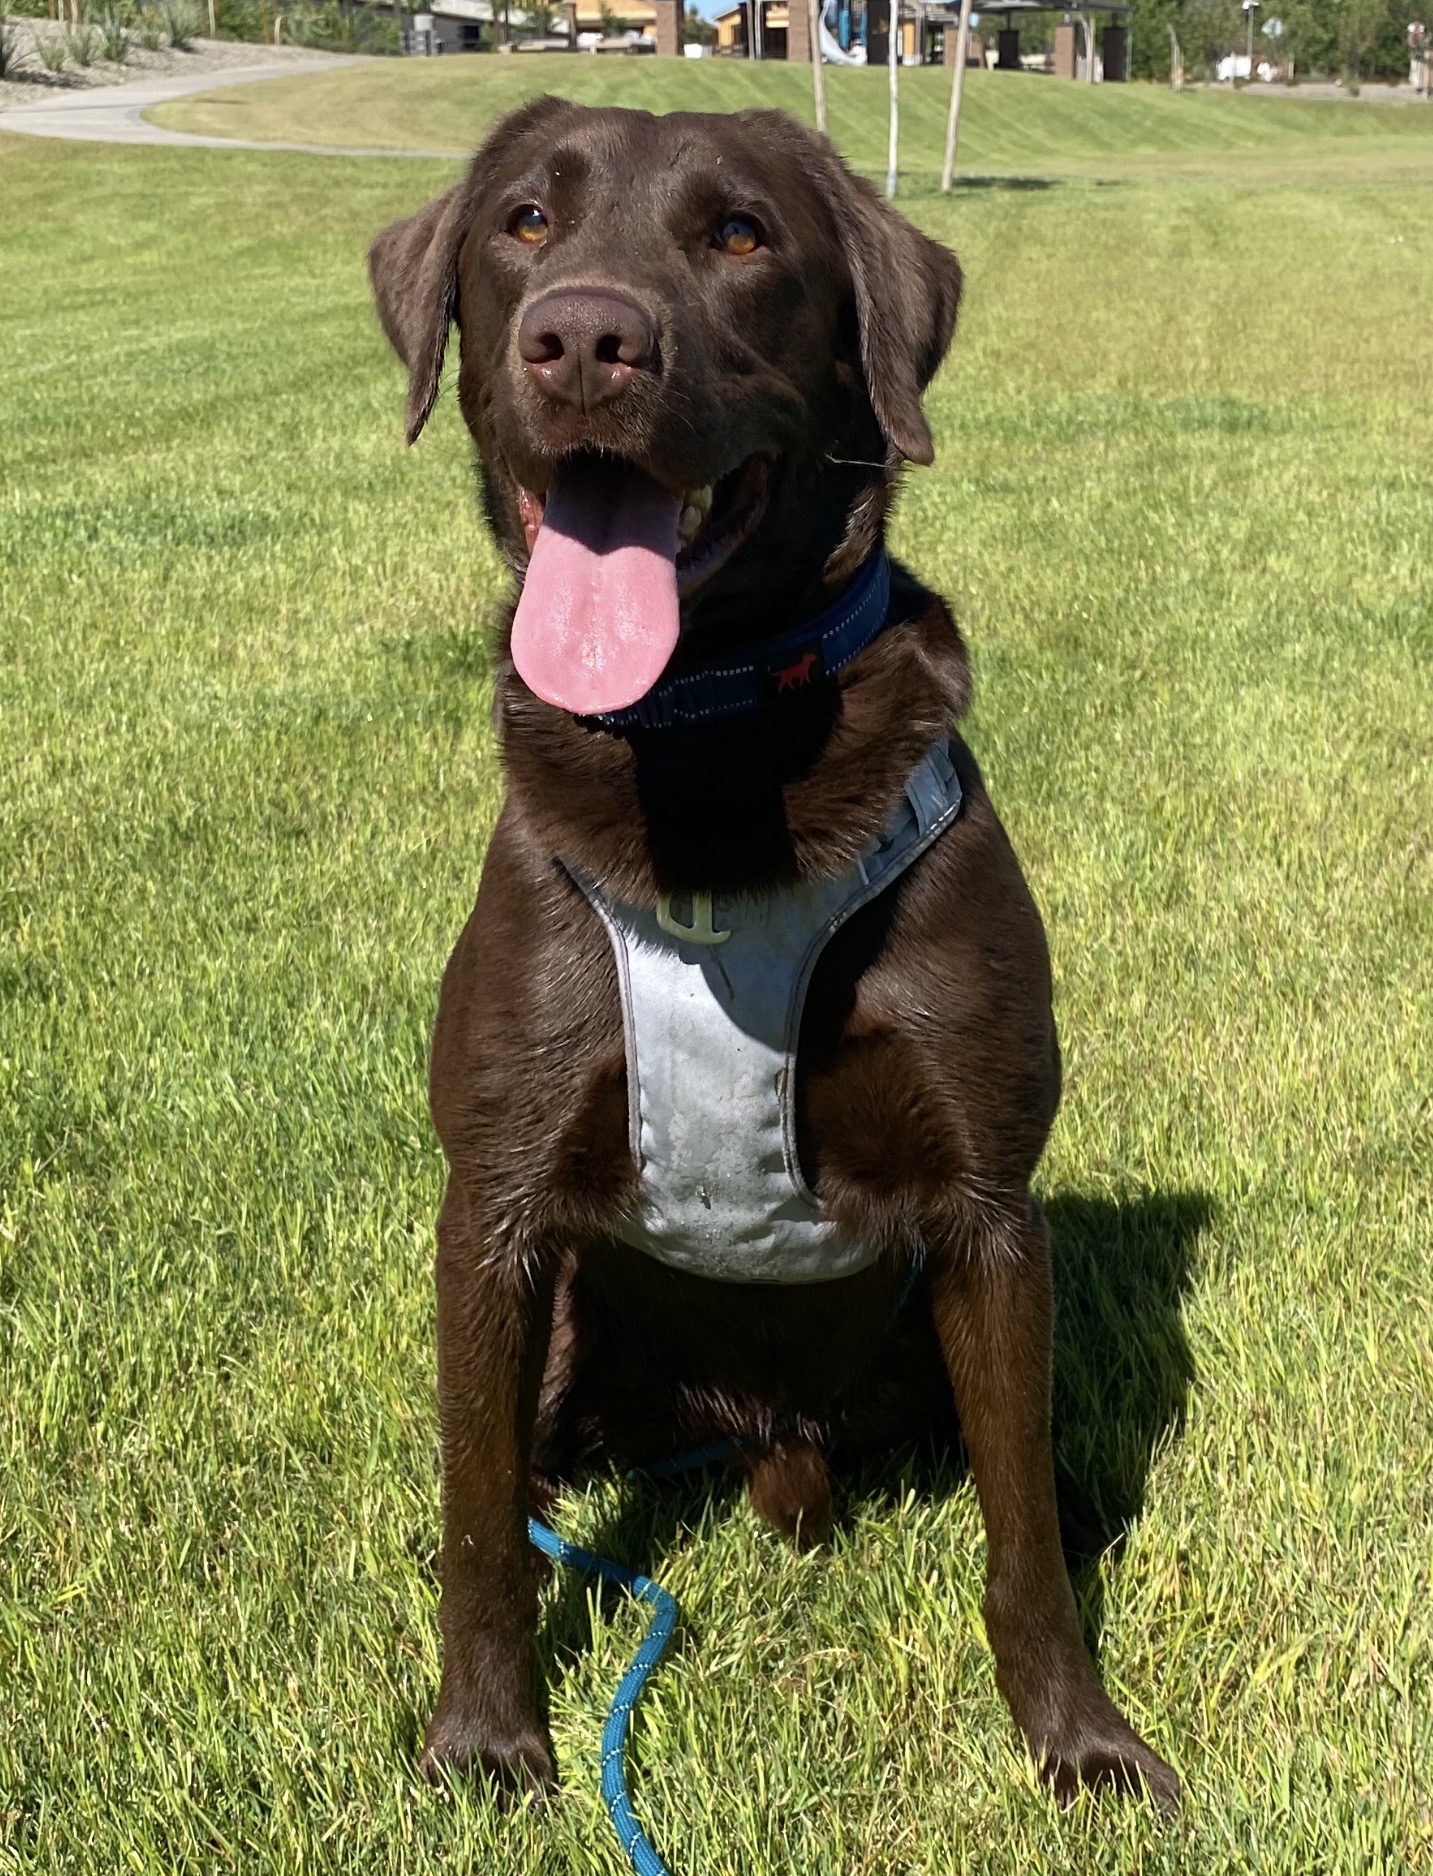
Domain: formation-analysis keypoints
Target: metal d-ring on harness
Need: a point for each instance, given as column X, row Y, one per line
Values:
column 634, row 1840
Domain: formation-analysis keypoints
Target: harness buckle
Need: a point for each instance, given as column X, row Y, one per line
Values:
column 700, row 931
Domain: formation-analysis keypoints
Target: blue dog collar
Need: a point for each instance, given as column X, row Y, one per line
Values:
column 782, row 666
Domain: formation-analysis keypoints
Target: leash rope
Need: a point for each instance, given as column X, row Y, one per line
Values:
column 633, row 1838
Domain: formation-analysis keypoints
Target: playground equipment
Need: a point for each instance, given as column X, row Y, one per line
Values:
column 838, row 44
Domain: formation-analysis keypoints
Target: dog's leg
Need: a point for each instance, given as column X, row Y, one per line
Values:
column 494, row 1319
column 790, row 1487
column 992, row 1300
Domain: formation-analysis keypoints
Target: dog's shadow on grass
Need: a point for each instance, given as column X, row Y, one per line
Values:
column 1122, row 1374
column 1123, row 1365
column 1123, row 1371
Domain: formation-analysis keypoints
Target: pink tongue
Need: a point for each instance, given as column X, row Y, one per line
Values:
column 597, row 620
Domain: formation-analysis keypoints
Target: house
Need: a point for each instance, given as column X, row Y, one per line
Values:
column 639, row 16
column 483, row 25
column 772, row 19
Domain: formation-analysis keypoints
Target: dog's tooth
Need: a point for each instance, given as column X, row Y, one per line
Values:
column 702, row 498
column 690, row 521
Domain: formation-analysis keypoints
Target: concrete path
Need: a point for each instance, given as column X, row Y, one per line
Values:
column 114, row 113
column 1316, row 93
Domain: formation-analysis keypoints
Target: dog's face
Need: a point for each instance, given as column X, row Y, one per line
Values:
column 694, row 340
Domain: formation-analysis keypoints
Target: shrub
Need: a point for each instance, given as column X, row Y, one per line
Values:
column 240, row 19
column 11, row 57
column 113, row 39
column 333, row 28
column 82, row 43
column 149, row 30
column 180, row 19
column 51, row 50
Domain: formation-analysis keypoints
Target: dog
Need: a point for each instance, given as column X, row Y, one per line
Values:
column 693, row 353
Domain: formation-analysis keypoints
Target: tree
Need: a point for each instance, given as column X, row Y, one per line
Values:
column 1321, row 38
column 1358, row 25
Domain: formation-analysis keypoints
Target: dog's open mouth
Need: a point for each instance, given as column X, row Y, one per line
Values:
column 611, row 554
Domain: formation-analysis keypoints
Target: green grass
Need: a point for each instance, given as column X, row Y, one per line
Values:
column 1183, row 504
column 1011, row 123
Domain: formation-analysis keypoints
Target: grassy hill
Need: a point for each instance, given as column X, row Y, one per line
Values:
column 1012, row 123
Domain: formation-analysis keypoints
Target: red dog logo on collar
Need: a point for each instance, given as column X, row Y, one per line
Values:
column 795, row 676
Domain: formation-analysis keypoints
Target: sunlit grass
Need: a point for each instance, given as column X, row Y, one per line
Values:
column 1183, row 503
column 1013, row 124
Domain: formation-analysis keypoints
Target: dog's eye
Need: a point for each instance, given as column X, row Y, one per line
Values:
column 528, row 224
column 739, row 236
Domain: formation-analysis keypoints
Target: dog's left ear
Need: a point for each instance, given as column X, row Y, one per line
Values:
column 907, row 288
column 413, row 265
column 907, row 296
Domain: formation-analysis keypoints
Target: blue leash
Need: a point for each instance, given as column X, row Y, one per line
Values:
column 634, row 1840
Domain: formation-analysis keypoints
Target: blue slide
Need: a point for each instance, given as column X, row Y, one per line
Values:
column 831, row 48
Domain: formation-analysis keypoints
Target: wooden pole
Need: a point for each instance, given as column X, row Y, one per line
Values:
column 957, row 88
column 818, row 69
column 892, row 66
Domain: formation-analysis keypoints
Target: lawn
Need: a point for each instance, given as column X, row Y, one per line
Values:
column 1183, row 504
column 1012, row 124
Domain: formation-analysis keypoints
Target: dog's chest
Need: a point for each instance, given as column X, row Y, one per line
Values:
column 712, row 995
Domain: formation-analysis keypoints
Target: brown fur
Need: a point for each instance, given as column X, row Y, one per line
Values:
column 929, row 1070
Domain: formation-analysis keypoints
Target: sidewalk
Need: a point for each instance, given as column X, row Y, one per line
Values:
column 113, row 113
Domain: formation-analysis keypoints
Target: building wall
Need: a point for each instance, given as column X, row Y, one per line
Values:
column 638, row 16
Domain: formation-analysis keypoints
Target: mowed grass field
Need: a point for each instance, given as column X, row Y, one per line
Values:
column 1183, row 505
column 1010, row 124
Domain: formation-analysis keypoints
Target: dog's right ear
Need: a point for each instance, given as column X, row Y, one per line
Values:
column 413, row 265
column 907, row 291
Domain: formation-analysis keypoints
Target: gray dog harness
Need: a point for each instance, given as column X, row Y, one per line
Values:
column 711, row 1013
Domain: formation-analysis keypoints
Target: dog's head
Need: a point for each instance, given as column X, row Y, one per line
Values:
column 693, row 353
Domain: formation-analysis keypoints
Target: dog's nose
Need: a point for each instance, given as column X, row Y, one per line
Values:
column 584, row 347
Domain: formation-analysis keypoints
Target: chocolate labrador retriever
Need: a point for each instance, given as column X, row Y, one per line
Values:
column 745, row 1058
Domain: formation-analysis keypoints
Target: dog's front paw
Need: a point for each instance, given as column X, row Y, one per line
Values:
column 516, row 1765
column 1102, row 1752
